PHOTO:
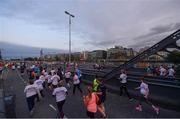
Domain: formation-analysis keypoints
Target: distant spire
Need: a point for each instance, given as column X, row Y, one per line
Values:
column 41, row 53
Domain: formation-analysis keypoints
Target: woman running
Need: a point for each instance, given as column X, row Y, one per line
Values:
column 90, row 102
column 39, row 84
column 101, row 92
column 76, row 83
column 49, row 81
column 60, row 92
column 30, row 90
column 67, row 78
column 55, row 79
column 144, row 91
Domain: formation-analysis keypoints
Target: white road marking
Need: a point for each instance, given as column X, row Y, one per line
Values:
column 52, row 107
column 65, row 117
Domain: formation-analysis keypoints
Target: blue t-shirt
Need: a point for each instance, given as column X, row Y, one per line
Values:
column 78, row 73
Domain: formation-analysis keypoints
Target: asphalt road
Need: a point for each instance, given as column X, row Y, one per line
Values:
column 116, row 106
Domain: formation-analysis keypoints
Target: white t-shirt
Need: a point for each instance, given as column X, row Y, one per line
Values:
column 60, row 93
column 30, row 90
column 39, row 84
column 45, row 74
column 68, row 74
column 13, row 67
column 123, row 78
column 171, row 72
column 144, row 88
column 55, row 79
column 18, row 67
column 49, row 78
column 42, row 77
column 162, row 71
column 52, row 72
column 76, row 79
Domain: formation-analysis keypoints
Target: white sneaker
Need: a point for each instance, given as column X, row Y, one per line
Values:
column 31, row 112
column 65, row 117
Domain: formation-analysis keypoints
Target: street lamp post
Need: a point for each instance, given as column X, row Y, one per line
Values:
column 70, row 15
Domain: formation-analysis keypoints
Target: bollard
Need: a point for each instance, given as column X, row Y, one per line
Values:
column 9, row 102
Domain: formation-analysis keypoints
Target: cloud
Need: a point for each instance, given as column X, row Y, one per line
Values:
column 155, row 34
column 102, row 23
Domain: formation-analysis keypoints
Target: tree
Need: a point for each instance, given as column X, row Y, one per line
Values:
column 174, row 57
column 56, row 58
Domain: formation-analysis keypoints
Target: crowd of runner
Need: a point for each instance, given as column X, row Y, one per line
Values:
column 58, row 82
column 163, row 71
column 54, row 79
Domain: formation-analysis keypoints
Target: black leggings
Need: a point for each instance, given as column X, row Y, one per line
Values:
column 123, row 87
column 78, row 86
column 67, row 80
column 143, row 99
column 42, row 94
column 60, row 107
column 90, row 114
column 30, row 102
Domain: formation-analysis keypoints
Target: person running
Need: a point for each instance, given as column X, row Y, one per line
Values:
column 162, row 71
column 123, row 84
column 95, row 84
column 78, row 72
column 144, row 91
column 90, row 102
column 52, row 71
column 31, row 91
column 148, row 70
column 76, row 83
column 39, row 83
column 171, row 72
column 101, row 92
column 60, row 92
column 1, row 69
column 55, row 79
column 49, row 80
column 67, row 78
column 59, row 73
column 42, row 77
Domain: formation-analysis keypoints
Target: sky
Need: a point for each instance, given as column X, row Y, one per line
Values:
column 98, row 24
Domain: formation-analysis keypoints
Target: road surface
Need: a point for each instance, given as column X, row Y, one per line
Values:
column 116, row 106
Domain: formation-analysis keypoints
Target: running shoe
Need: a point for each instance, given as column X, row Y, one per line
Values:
column 139, row 108
column 31, row 112
column 131, row 99
column 65, row 117
column 156, row 109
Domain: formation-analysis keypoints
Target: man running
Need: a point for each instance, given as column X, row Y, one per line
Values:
column 123, row 84
column 59, row 73
column 95, row 84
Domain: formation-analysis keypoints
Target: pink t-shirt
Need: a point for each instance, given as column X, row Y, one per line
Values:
column 91, row 104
